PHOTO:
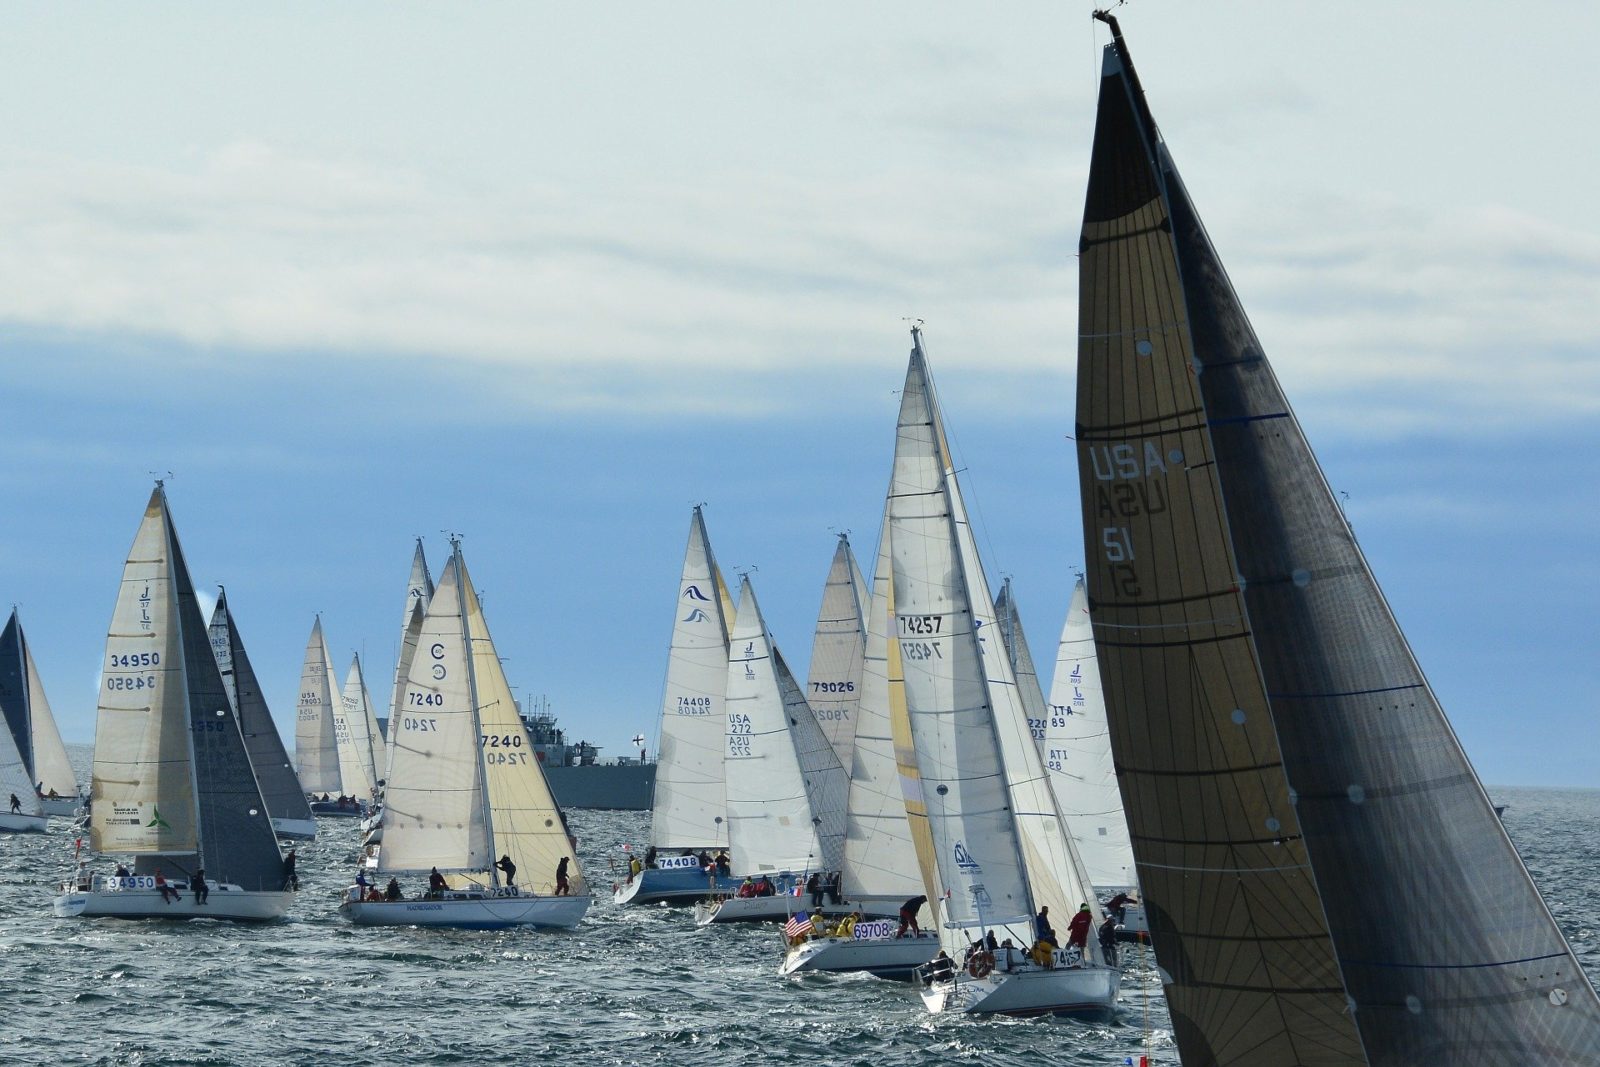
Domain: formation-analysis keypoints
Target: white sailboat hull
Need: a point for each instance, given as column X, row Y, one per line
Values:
column 224, row 902
column 892, row 957
column 23, row 824
column 777, row 909
column 471, row 911
column 299, row 829
column 681, row 885
column 65, row 807
column 1030, row 991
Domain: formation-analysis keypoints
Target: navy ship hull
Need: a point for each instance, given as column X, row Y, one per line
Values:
column 612, row 786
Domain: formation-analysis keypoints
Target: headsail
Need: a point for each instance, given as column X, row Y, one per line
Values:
column 419, row 590
column 1375, row 911
column 280, row 787
column 360, row 730
column 690, row 794
column 1008, row 620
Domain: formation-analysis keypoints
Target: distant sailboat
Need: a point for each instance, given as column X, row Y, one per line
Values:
column 689, row 813
column 419, row 590
column 883, row 866
column 33, row 727
column 25, row 813
column 173, row 785
column 786, row 789
column 1077, row 753
column 280, row 787
column 361, row 727
column 1000, row 847
column 1326, row 880
column 467, row 792
column 319, row 761
column 833, row 686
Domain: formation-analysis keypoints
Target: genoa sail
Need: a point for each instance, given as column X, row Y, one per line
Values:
column 1304, row 765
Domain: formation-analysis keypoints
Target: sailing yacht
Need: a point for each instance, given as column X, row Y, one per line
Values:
column 280, row 787
column 1326, row 880
column 786, row 789
column 173, row 788
column 361, row 726
column 883, row 865
column 466, row 792
column 33, row 728
column 1077, row 753
column 1001, row 852
column 689, row 816
column 25, row 813
column 325, row 762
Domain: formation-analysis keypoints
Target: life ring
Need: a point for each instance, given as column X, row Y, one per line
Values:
column 981, row 964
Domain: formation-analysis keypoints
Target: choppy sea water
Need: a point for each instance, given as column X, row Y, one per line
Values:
column 629, row 986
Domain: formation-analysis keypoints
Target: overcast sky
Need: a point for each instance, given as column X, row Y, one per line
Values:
column 548, row 275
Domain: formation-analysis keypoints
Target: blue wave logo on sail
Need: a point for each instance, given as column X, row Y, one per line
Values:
column 696, row 616
column 694, row 593
column 964, row 860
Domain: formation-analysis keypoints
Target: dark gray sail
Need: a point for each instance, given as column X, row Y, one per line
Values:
column 280, row 787
column 14, row 689
column 236, row 839
column 1326, row 879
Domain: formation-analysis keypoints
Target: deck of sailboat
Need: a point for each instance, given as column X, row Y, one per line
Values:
column 471, row 910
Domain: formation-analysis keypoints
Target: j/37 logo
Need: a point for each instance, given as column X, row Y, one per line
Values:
column 965, row 861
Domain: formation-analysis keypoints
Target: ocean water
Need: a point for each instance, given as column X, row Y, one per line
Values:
column 638, row 985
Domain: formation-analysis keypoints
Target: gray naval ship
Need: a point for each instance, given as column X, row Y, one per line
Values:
column 579, row 778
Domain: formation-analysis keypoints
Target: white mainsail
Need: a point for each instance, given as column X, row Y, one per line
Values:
column 360, row 739
column 690, row 794
column 419, row 590
column 973, row 742
column 316, row 745
column 142, row 796
column 773, row 824
column 1008, row 620
column 833, row 688
column 525, row 820
column 880, row 861
column 434, row 813
column 1078, row 753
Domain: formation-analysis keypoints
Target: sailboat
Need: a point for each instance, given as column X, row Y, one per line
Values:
column 173, row 787
column 280, row 787
column 33, row 727
column 25, row 813
column 786, row 789
column 321, row 759
column 1000, row 848
column 833, row 683
column 466, row 788
column 883, row 865
column 1077, row 751
column 1325, row 877
column 361, row 726
column 688, row 816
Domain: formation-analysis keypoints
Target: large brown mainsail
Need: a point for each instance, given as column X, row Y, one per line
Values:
column 1326, row 880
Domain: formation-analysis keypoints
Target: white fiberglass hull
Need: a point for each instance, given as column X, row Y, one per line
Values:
column 676, row 886
column 885, row 957
column 1027, row 991
column 776, row 909
column 224, row 902
column 23, row 824
column 298, row 829
column 65, row 807
column 470, row 910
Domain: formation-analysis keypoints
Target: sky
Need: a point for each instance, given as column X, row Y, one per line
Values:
column 547, row 276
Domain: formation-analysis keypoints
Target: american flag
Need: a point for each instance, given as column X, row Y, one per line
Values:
column 797, row 925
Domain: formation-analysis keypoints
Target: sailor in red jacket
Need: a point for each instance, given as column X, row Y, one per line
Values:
column 1078, row 928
